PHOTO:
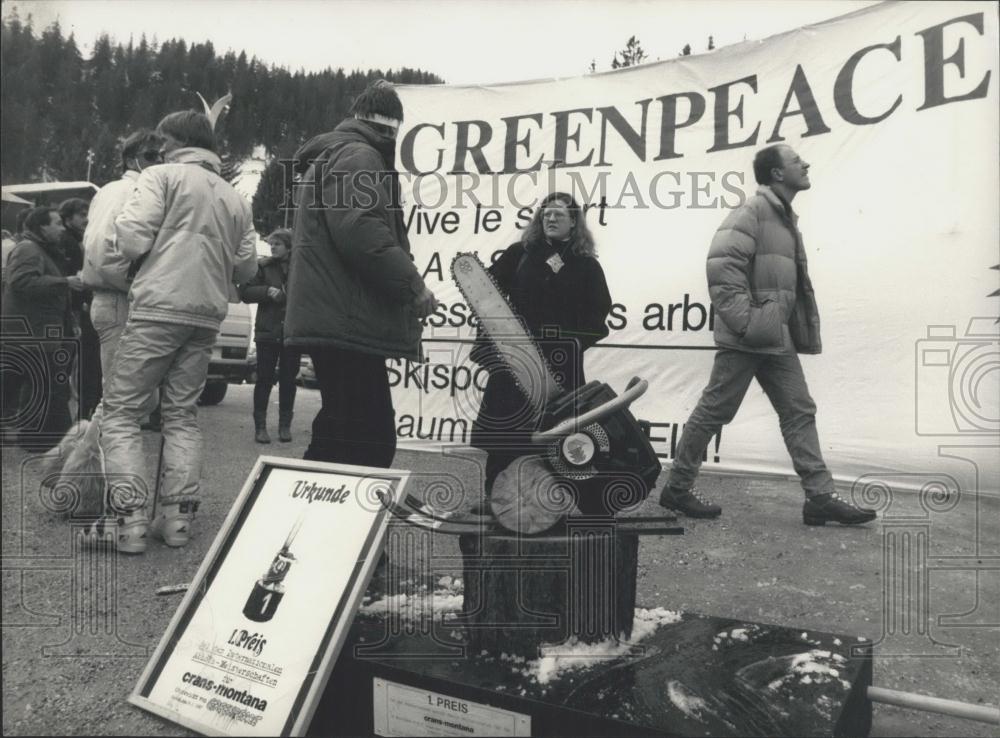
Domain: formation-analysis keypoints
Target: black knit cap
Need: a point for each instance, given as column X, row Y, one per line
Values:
column 379, row 98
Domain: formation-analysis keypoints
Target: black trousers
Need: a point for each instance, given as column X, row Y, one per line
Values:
column 356, row 424
column 273, row 358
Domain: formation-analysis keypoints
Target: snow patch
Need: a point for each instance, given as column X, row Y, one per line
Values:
column 812, row 667
column 686, row 701
column 441, row 604
column 733, row 636
column 556, row 660
column 251, row 170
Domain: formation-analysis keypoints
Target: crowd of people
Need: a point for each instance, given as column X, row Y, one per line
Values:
column 140, row 283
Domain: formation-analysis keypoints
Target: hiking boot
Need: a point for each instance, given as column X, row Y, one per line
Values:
column 285, row 428
column 127, row 532
column 173, row 524
column 260, row 428
column 830, row 507
column 689, row 502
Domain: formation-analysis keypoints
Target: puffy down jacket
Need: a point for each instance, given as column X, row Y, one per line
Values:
column 759, row 282
column 192, row 235
column 352, row 281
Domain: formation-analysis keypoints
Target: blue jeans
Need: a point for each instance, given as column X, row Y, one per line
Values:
column 109, row 314
column 781, row 378
column 152, row 354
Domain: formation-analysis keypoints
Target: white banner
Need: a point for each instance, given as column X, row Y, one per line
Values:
column 895, row 107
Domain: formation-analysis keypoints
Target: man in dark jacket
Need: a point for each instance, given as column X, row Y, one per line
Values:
column 766, row 315
column 38, row 326
column 75, row 215
column 355, row 297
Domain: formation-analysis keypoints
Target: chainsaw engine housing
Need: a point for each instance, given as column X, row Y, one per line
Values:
column 622, row 466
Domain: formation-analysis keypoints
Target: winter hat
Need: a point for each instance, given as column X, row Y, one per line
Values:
column 379, row 104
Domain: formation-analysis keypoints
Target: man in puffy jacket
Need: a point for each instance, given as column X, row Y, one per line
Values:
column 355, row 297
column 766, row 315
column 191, row 235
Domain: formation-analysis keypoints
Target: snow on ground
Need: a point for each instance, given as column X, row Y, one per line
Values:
column 557, row 660
column 445, row 600
column 685, row 700
column 438, row 604
column 812, row 667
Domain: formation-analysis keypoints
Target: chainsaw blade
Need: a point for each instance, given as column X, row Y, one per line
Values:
column 506, row 331
column 412, row 511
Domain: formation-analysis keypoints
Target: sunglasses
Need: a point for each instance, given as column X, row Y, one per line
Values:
column 151, row 157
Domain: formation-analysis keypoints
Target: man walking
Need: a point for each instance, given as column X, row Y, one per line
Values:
column 192, row 235
column 766, row 315
column 354, row 296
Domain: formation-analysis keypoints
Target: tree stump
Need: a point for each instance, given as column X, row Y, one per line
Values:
column 578, row 580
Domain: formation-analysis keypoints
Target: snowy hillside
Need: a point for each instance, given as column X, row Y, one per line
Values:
column 251, row 170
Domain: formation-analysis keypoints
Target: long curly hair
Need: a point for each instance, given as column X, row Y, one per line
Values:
column 581, row 239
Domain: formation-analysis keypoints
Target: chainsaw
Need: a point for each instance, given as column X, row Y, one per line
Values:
column 589, row 453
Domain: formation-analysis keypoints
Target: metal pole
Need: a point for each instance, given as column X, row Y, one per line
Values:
column 980, row 713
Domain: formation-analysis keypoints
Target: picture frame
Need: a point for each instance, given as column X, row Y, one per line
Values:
column 256, row 662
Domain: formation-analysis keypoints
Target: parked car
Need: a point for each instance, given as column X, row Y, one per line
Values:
column 306, row 378
column 251, row 377
column 307, row 374
column 229, row 355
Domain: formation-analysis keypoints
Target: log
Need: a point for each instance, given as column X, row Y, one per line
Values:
column 576, row 581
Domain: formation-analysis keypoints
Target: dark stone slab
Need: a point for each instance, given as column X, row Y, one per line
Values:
column 697, row 676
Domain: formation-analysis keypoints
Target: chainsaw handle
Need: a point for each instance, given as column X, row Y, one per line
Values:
column 636, row 388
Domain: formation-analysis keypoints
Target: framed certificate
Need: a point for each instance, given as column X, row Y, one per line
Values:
column 251, row 647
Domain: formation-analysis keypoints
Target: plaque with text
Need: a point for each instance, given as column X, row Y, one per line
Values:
column 250, row 648
column 402, row 710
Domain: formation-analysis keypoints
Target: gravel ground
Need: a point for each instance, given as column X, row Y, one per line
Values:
column 69, row 664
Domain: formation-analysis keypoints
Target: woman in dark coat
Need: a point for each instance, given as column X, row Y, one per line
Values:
column 270, row 290
column 553, row 281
